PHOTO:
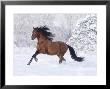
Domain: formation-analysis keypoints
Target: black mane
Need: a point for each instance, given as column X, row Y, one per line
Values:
column 45, row 32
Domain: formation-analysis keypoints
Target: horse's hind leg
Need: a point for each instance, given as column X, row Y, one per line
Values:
column 61, row 59
column 62, row 50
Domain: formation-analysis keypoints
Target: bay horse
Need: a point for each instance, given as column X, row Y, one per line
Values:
column 45, row 45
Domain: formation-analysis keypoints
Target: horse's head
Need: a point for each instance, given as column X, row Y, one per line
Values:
column 35, row 33
column 44, row 31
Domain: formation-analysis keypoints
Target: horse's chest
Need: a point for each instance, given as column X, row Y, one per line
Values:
column 41, row 45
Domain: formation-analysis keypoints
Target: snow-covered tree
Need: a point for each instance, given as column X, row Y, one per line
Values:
column 84, row 35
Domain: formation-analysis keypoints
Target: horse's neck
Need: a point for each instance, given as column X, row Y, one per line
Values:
column 43, row 39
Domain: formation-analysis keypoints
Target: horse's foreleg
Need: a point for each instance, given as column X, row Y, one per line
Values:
column 30, row 61
column 34, row 56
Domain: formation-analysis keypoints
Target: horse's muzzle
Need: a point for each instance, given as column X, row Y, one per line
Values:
column 32, row 38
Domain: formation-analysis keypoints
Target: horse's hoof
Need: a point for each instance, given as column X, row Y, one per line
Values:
column 28, row 64
column 36, row 59
column 64, row 60
column 60, row 62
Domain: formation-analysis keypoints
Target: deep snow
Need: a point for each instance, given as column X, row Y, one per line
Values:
column 49, row 66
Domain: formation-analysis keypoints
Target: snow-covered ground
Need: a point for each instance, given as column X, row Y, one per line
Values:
column 77, row 30
column 49, row 66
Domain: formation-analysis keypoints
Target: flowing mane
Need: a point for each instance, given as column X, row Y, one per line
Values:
column 45, row 32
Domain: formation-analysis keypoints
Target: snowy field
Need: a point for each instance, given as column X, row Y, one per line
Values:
column 49, row 66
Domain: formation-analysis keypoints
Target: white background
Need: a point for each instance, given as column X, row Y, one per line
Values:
column 57, row 80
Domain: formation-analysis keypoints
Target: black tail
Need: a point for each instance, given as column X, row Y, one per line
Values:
column 73, row 55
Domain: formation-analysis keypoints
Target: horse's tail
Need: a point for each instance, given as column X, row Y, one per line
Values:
column 73, row 55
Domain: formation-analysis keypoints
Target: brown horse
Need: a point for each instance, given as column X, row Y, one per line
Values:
column 45, row 45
